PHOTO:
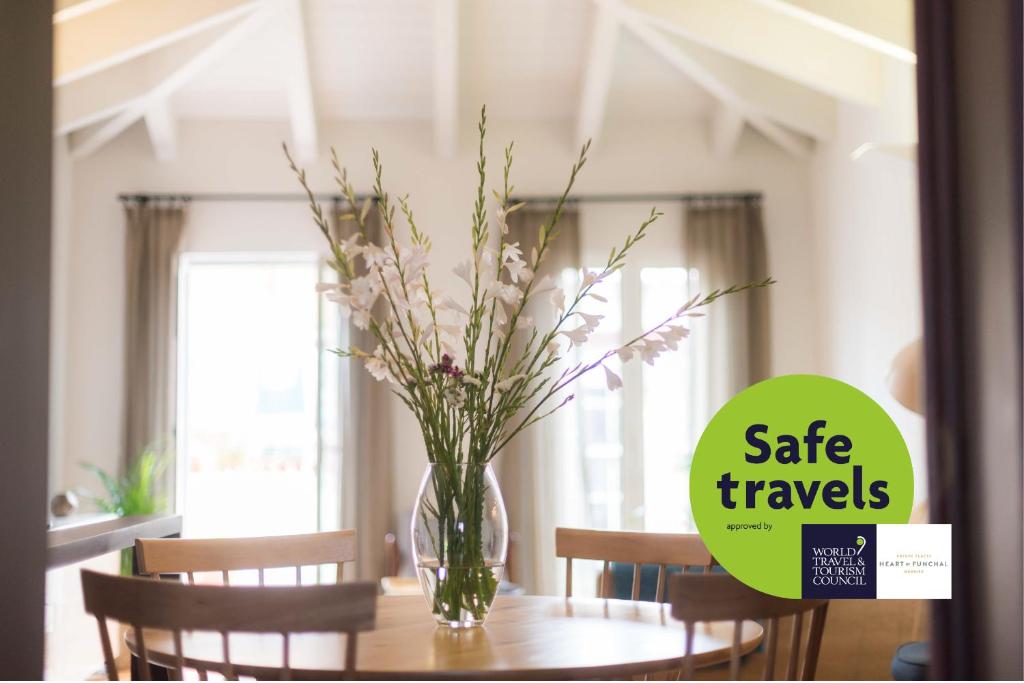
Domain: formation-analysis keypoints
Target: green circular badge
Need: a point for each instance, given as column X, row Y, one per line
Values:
column 794, row 450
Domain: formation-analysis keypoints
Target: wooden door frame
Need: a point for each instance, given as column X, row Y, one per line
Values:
column 26, row 135
column 969, row 115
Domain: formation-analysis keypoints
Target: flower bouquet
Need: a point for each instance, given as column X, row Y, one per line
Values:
column 454, row 364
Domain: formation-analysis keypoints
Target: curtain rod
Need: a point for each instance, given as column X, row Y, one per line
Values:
column 327, row 197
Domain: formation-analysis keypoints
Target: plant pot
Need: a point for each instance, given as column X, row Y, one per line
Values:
column 459, row 534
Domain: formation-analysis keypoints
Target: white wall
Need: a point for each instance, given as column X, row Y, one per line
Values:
column 868, row 257
column 246, row 157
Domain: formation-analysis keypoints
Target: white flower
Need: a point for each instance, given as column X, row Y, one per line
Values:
column 598, row 297
column 455, row 395
column 552, row 347
column 322, row 287
column 613, row 380
column 361, row 318
column 510, row 252
column 518, row 270
column 545, row 284
column 374, row 256
column 470, row 379
column 377, row 367
column 578, row 336
column 510, row 294
column 591, row 320
column 625, row 353
column 558, row 299
column 651, row 349
column 507, row 384
column 523, row 322
column 589, row 277
column 465, row 271
column 450, row 304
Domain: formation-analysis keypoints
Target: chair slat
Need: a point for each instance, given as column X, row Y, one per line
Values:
column 660, row 594
column 734, row 652
column 341, row 572
column 140, row 642
column 229, row 670
column 635, row 593
column 794, row 646
column 225, row 577
column 817, row 630
column 298, row 575
column 286, row 657
column 606, row 576
column 262, row 582
column 687, row 672
column 179, row 654
column 568, row 577
column 108, row 652
column 771, row 646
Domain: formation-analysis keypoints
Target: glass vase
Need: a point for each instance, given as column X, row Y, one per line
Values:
column 460, row 540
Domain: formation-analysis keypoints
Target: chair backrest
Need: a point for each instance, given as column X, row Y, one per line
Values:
column 634, row 547
column 188, row 556
column 720, row 597
column 176, row 607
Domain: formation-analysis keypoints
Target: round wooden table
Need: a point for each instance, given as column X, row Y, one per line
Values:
column 525, row 637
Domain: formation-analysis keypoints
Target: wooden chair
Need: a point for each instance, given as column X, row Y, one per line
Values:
column 632, row 547
column 720, row 597
column 156, row 556
column 176, row 607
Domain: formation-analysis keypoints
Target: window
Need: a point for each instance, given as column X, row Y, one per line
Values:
column 636, row 444
column 249, row 425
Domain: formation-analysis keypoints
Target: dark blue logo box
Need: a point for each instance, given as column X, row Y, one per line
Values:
column 838, row 560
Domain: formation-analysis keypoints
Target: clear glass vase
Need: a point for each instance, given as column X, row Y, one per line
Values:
column 460, row 540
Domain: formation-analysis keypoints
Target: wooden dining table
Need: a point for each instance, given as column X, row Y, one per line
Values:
column 525, row 637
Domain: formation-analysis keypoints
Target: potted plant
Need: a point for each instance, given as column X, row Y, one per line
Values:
column 133, row 494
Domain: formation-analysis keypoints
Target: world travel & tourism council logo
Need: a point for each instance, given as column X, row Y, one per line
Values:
column 839, row 561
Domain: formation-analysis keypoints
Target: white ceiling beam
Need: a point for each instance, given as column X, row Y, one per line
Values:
column 886, row 26
column 100, row 96
column 722, row 90
column 796, row 106
column 446, row 77
column 726, row 128
column 181, row 76
column 163, row 131
column 600, row 67
column 66, row 10
column 119, row 31
column 774, row 41
column 301, row 107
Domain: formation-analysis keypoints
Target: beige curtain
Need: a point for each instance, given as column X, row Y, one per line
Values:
column 536, row 471
column 153, row 234
column 366, row 468
column 725, row 242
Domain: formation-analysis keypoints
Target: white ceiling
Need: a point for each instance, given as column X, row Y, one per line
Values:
column 780, row 67
column 371, row 61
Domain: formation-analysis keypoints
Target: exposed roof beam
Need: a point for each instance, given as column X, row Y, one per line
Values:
column 600, row 67
column 301, row 108
column 446, row 77
column 182, row 75
column 163, row 133
column 100, row 96
column 886, row 26
column 796, row 106
column 774, row 41
column 66, row 10
column 723, row 90
column 119, row 31
column 726, row 128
